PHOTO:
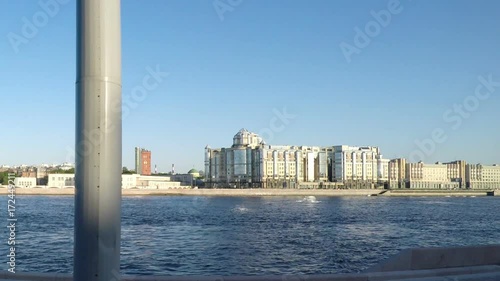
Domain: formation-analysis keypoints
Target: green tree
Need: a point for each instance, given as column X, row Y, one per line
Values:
column 61, row 171
column 4, row 178
column 126, row 171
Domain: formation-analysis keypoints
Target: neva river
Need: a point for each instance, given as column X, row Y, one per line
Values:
column 254, row 235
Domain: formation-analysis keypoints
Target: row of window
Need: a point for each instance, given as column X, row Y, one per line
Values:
column 62, row 178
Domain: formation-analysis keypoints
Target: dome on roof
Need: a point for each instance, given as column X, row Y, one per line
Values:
column 193, row 171
column 246, row 138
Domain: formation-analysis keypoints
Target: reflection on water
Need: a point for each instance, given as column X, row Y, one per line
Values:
column 308, row 199
column 257, row 235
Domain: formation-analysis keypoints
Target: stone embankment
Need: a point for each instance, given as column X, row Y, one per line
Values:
column 261, row 192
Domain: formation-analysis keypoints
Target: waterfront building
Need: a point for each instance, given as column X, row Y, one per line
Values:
column 187, row 179
column 151, row 182
column 61, row 180
column 128, row 181
column 142, row 161
column 41, row 175
column 25, row 182
column 383, row 170
column 250, row 162
column 431, row 176
column 482, row 176
column 352, row 164
column 157, row 182
column 456, row 172
column 397, row 173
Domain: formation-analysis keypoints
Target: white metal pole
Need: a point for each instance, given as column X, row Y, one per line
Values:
column 98, row 141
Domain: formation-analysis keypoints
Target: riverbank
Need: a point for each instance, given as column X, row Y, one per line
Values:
column 409, row 192
column 258, row 192
column 206, row 192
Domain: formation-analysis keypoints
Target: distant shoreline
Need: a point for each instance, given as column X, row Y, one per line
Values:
column 259, row 192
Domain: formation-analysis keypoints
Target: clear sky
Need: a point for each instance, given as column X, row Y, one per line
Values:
column 234, row 69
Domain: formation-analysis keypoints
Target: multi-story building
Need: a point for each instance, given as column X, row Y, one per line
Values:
column 138, row 162
column 397, row 173
column 142, row 161
column 430, row 176
column 352, row 163
column 41, row 175
column 287, row 166
column 482, row 176
column 456, row 172
column 251, row 162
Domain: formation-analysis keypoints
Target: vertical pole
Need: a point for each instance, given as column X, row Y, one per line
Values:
column 98, row 141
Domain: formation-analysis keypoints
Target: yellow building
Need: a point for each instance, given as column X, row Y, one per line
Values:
column 397, row 173
column 250, row 162
column 352, row 163
column 430, row 176
column 482, row 177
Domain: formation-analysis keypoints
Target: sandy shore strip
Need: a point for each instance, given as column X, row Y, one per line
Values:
column 258, row 192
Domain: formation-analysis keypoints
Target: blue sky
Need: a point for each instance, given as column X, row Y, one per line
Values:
column 262, row 57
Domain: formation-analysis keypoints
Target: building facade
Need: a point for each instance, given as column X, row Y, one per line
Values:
column 430, row 176
column 41, row 175
column 128, row 182
column 61, row 180
column 142, row 161
column 25, row 182
column 250, row 162
column 456, row 172
column 187, row 179
column 359, row 164
column 482, row 176
column 397, row 173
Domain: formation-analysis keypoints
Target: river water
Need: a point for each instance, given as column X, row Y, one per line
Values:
column 183, row 235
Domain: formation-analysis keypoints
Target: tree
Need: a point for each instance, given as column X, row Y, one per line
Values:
column 126, row 171
column 3, row 178
column 61, row 171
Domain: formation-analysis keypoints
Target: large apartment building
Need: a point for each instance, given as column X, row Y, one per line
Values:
column 436, row 176
column 353, row 163
column 482, row 176
column 397, row 173
column 253, row 163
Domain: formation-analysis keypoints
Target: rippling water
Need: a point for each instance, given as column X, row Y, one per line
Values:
column 255, row 235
